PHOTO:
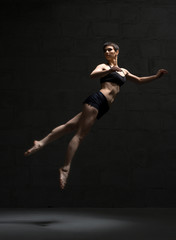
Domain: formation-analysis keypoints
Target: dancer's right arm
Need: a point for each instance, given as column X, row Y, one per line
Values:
column 102, row 70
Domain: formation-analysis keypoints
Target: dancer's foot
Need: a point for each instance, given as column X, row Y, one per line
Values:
column 35, row 148
column 63, row 177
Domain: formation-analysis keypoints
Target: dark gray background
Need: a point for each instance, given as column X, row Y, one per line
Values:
column 47, row 51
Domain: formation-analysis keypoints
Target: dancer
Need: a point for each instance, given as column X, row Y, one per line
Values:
column 112, row 77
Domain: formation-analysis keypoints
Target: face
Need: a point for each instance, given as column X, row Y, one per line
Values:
column 110, row 52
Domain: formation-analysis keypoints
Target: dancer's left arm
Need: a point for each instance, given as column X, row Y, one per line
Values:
column 136, row 79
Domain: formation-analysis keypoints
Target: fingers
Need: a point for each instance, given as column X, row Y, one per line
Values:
column 114, row 68
column 118, row 69
column 163, row 71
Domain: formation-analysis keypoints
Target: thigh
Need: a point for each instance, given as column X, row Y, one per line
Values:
column 75, row 120
column 88, row 118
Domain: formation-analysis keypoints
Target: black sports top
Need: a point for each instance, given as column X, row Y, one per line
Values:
column 114, row 77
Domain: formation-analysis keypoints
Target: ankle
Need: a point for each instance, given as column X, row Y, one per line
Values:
column 65, row 168
column 41, row 144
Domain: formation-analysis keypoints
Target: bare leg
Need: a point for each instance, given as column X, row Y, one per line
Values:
column 88, row 118
column 55, row 134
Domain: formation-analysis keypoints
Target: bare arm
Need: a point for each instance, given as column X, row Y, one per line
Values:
column 101, row 71
column 140, row 80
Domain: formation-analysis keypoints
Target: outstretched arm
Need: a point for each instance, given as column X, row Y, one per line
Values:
column 140, row 80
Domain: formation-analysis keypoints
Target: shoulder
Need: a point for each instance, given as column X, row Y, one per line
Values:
column 103, row 66
column 131, row 76
column 126, row 72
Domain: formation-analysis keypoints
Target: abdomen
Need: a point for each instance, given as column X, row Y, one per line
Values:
column 110, row 90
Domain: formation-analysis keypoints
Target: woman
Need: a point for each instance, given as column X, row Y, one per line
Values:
column 112, row 77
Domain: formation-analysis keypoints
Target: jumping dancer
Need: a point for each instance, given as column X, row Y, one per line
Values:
column 112, row 77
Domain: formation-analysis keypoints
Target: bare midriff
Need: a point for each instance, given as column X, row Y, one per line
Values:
column 110, row 90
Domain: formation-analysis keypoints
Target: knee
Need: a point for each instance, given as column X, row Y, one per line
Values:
column 81, row 136
column 78, row 139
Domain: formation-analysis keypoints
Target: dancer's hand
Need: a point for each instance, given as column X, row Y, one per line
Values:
column 161, row 72
column 115, row 68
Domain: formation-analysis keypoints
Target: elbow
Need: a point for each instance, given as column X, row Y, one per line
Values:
column 139, row 80
column 92, row 76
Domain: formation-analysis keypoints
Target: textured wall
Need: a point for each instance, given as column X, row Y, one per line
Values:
column 47, row 51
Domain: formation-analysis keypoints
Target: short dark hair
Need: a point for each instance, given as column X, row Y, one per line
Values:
column 115, row 46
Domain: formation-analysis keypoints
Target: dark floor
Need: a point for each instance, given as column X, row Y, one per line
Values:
column 106, row 223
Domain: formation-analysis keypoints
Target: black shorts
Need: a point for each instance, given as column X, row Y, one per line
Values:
column 99, row 101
